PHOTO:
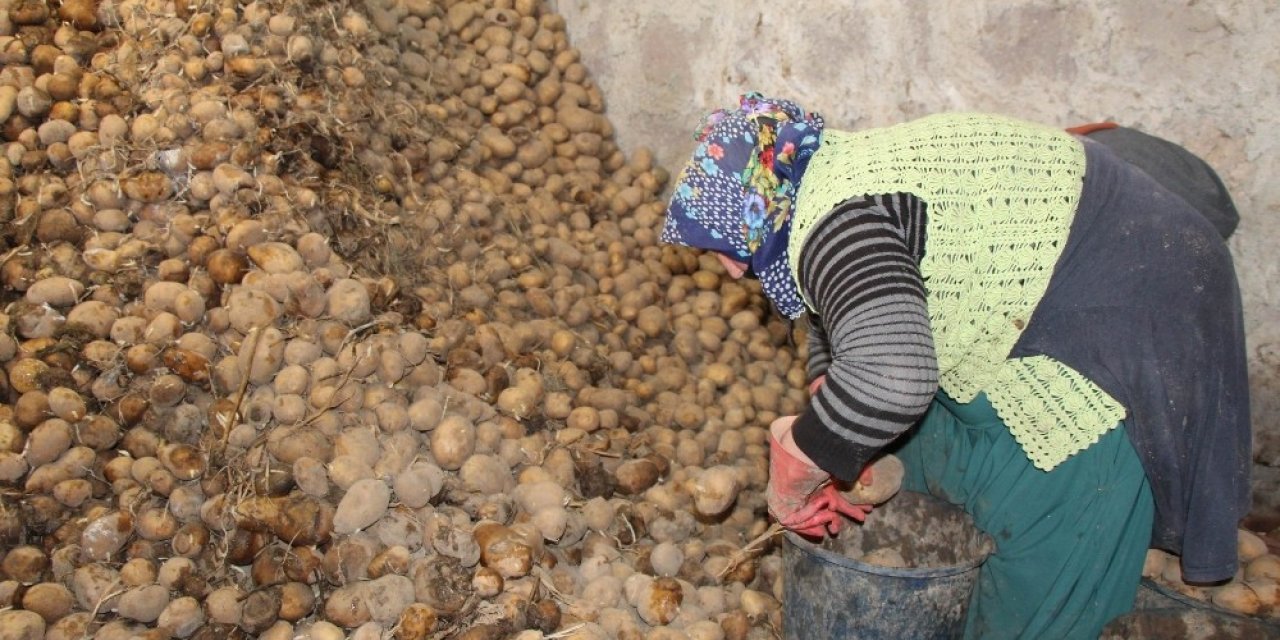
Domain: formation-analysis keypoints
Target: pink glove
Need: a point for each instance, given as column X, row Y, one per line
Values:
column 800, row 495
column 816, row 383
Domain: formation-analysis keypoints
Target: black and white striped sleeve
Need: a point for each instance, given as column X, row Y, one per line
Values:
column 860, row 270
column 819, row 353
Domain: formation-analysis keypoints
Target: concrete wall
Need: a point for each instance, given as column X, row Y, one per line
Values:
column 1205, row 73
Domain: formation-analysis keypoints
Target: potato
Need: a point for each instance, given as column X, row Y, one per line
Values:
column 275, row 257
column 1250, row 546
column 418, row 620
column 67, row 404
column 418, row 484
column 12, row 467
column 348, row 302
column 519, row 401
column 487, row 583
column 392, row 417
column 297, row 601
column 886, row 479
column 73, row 492
column 453, row 441
column 12, row 439
column 261, row 355
column 363, row 504
column 105, row 536
column 311, row 476
column 1263, row 567
column 48, row 441
column 884, row 557
column 658, row 600
column 635, row 476
column 503, row 550
column 291, row 378
column 387, row 597
column 1238, row 597
column 554, row 524
column 155, row 524
column 184, row 461
column 162, row 295
column 189, row 306
column 1153, row 566
column 249, row 309
column 138, row 572
column 56, row 291
column 666, row 559
column 314, row 249
column 261, row 608
column 226, row 266
column 50, row 600
column 347, row 606
column 182, row 617
column 345, row 470
column 95, row 587
column 224, row 605
column 715, row 490
column 288, row 446
column 536, row 495
column 39, row 322
column 25, row 374
column 144, row 604
column 73, row 627
column 584, row 418
column 1268, row 592
column 21, row 625
column 163, row 329
column 97, row 317
column 652, row 320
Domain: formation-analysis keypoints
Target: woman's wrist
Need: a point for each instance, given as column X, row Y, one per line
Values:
column 782, row 432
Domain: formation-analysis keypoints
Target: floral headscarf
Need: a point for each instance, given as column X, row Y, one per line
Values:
column 736, row 194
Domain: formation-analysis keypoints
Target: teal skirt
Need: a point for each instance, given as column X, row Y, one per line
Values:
column 1070, row 543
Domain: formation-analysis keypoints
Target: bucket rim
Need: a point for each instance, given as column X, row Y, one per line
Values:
column 846, row 562
column 1251, row 623
column 1185, row 601
column 1178, row 597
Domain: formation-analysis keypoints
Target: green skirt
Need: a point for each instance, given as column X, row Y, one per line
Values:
column 1070, row 543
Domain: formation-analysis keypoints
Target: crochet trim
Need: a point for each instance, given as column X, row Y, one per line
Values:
column 1051, row 410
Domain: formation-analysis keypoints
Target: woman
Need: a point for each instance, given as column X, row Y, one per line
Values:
column 990, row 299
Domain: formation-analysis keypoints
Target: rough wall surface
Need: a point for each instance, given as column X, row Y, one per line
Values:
column 1202, row 73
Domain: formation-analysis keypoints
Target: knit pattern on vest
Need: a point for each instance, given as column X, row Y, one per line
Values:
column 1001, row 195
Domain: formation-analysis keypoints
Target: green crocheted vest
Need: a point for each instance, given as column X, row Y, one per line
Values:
column 1001, row 194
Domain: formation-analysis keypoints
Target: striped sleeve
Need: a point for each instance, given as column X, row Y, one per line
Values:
column 819, row 352
column 860, row 270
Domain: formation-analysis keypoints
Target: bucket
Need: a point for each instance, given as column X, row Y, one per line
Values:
column 1158, row 606
column 1186, row 623
column 1153, row 595
column 828, row 593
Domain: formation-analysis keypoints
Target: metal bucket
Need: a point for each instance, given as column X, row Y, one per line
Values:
column 1186, row 623
column 828, row 593
column 1158, row 609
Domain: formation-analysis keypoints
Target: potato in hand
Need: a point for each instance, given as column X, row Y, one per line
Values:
column 885, row 481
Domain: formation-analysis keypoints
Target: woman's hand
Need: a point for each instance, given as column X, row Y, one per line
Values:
column 800, row 495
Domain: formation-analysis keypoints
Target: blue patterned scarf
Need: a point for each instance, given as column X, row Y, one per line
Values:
column 736, row 194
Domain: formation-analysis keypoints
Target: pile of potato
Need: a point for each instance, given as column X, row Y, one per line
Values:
column 1254, row 591
column 328, row 320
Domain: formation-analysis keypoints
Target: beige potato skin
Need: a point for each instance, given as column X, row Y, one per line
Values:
column 886, row 480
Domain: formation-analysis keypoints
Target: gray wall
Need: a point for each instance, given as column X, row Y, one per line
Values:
column 1205, row 73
